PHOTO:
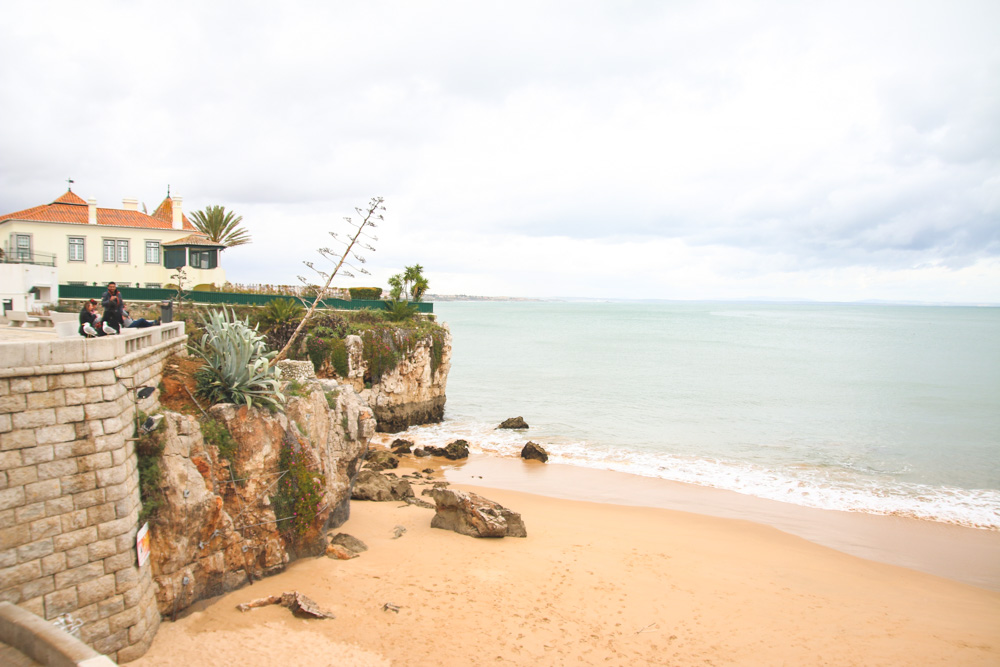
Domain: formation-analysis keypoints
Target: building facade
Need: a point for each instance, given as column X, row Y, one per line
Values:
column 94, row 246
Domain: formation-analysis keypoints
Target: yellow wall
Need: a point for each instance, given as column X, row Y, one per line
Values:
column 53, row 238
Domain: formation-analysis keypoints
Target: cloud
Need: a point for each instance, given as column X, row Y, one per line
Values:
column 836, row 139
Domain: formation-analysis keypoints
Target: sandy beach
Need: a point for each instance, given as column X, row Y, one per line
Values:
column 592, row 584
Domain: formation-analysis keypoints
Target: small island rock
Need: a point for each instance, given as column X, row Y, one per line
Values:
column 513, row 422
column 533, row 450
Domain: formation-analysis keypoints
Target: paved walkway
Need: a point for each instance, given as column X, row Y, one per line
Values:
column 9, row 334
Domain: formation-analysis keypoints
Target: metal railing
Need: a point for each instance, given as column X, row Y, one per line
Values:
column 27, row 257
column 220, row 298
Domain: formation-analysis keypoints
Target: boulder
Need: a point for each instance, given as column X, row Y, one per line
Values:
column 349, row 542
column 533, row 450
column 400, row 446
column 471, row 514
column 513, row 422
column 381, row 460
column 340, row 552
column 371, row 485
column 421, row 452
column 459, row 449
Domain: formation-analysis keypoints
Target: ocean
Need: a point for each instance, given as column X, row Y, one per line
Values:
column 867, row 408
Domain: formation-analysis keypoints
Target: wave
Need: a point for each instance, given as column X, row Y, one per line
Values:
column 843, row 487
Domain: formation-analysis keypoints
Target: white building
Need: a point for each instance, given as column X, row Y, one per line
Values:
column 94, row 246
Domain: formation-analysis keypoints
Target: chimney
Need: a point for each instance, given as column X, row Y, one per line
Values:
column 92, row 211
column 130, row 204
column 178, row 221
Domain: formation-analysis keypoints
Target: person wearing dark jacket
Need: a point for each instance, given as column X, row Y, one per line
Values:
column 89, row 321
column 114, row 307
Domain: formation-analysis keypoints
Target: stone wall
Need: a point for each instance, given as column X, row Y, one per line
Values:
column 69, row 496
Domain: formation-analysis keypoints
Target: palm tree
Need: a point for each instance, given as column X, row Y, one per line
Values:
column 221, row 226
column 413, row 277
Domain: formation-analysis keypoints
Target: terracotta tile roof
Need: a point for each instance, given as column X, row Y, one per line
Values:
column 70, row 198
column 68, row 209
column 195, row 239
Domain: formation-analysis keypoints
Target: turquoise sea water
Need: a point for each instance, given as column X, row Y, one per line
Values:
column 881, row 409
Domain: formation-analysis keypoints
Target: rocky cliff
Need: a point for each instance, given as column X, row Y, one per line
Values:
column 218, row 525
column 411, row 393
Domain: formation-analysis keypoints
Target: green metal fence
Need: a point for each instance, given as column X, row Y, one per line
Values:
column 228, row 298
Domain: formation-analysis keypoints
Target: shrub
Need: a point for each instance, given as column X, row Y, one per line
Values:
column 299, row 495
column 399, row 311
column 215, row 433
column 236, row 366
column 381, row 351
column 337, row 325
column 365, row 293
column 367, row 316
column 338, row 357
column 280, row 311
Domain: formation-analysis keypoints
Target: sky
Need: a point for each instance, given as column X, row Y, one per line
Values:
column 825, row 151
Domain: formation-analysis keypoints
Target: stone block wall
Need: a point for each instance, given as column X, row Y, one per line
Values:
column 69, row 494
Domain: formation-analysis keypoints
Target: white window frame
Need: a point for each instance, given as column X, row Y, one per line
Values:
column 154, row 285
column 19, row 252
column 155, row 247
column 81, row 246
column 119, row 251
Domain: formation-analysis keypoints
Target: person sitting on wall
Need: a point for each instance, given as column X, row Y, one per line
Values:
column 114, row 308
column 140, row 323
column 89, row 321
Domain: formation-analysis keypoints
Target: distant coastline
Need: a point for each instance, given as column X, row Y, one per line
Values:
column 469, row 297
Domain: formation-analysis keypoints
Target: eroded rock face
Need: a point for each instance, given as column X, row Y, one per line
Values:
column 471, row 514
column 217, row 524
column 408, row 395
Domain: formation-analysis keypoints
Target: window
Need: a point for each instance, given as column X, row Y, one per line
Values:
column 116, row 250
column 77, row 246
column 22, row 247
column 173, row 258
column 153, row 285
column 78, row 283
column 152, row 252
column 204, row 259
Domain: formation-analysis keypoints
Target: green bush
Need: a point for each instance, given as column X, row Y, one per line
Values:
column 236, row 366
column 400, row 311
column 365, row 293
column 299, row 495
column 381, row 351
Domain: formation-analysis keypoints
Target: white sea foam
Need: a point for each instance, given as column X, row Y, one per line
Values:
column 835, row 487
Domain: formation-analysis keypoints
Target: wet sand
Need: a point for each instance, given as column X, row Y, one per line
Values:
column 592, row 584
column 969, row 555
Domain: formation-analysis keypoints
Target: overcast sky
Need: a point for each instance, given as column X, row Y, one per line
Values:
column 675, row 150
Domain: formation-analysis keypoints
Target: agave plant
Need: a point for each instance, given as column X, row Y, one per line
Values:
column 236, row 366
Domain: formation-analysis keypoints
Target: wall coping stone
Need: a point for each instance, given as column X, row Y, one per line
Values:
column 43, row 642
column 56, row 357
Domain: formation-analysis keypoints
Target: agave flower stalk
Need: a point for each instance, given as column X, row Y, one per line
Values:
column 369, row 215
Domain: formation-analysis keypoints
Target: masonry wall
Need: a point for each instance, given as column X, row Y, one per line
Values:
column 69, row 483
